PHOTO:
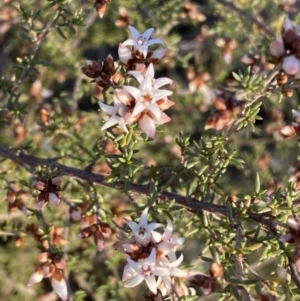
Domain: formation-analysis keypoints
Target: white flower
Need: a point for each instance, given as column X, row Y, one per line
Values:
column 144, row 269
column 148, row 100
column 175, row 241
column 140, row 42
column 117, row 112
column 172, row 271
column 143, row 232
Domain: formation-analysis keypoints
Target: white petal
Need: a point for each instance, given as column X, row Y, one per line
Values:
column 143, row 219
column 155, row 41
column 150, row 280
column 133, row 226
column 167, row 283
column 129, row 42
column 136, row 280
column 156, row 236
column 138, row 109
column 163, row 118
column 165, row 247
column 152, row 257
column 110, row 122
column 60, row 287
column 135, row 34
column 139, row 77
column 147, row 125
column 148, row 33
column 124, row 54
column 296, row 114
column 150, row 71
column 40, row 205
column 155, row 110
column 100, row 244
column 135, row 265
column 287, row 24
column 128, row 272
column 169, row 229
column 135, row 92
column 35, row 277
column 158, row 53
column 153, row 226
column 177, row 262
column 110, row 110
column 162, row 81
column 53, row 199
column 122, row 125
column 159, row 94
column 161, row 271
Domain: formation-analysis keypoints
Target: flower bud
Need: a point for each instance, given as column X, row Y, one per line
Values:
column 291, row 65
column 282, row 79
column 287, row 131
column 277, row 48
column 216, row 270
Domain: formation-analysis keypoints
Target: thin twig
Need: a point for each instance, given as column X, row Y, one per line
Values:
column 34, row 51
column 238, row 262
column 248, row 16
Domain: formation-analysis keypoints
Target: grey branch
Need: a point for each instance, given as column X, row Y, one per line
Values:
column 248, row 16
column 193, row 204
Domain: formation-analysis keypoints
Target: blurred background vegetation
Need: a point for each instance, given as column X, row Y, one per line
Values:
column 52, row 113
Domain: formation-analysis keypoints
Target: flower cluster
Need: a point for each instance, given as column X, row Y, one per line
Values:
column 96, row 229
column 51, row 267
column 151, row 256
column 144, row 104
column 16, row 200
column 293, row 236
column 227, row 107
column 49, row 191
column 104, row 74
column 286, row 51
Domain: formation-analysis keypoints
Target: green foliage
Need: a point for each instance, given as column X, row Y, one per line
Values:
column 207, row 182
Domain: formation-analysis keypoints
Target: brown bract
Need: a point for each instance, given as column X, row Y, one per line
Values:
column 49, row 191
column 100, row 6
column 227, row 107
column 16, row 200
column 98, row 231
column 104, row 73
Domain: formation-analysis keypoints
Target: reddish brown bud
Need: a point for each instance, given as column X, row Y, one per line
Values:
column 216, row 270
column 282, row 79
column 287, row 131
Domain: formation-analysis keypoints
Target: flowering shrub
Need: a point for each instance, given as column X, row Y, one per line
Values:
column 149, row 150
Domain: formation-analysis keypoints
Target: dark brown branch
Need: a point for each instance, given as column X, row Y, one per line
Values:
column 190, row 203
column 248, row 17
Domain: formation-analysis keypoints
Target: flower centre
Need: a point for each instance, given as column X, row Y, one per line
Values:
column 142, row 231
column 141, row 41
column 147, row 269
column 147, row 98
